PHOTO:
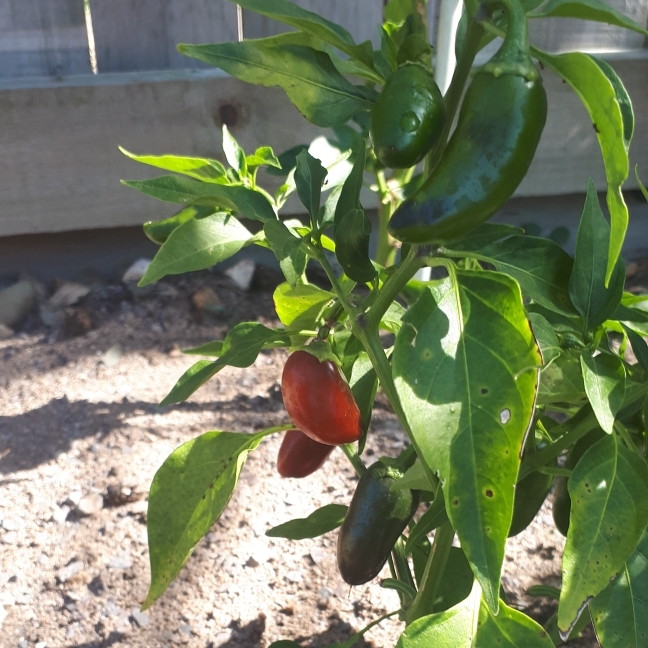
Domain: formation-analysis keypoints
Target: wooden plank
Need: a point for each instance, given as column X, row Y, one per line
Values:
column 143, row 34
column 359, row 17
column 43, row 38
column 60, row 167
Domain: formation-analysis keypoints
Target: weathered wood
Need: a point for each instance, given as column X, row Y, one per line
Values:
column 143, row 34
column 60, row 167
column 43, row 38
column 359, row 17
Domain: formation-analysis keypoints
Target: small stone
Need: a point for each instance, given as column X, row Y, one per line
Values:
column 9, row 525
column 120, row 562
column 294, row 576
column 141, row 618
column 251, row 562
column 23, row 643
column 185, row 628
column 78, row 322
column 60, row 514
column 6, row 598
column 69, row 571
column 206, row 299
column 16, row 301
column 90, row 504
column 157, row 329
column 9, row 538
column 68, row 294
column 5, row 332
column 73, row 498
column 41, row 644
column 136, row 271
column 112, row 609
column 241, row 273
column 112, row 357
column 317, row 555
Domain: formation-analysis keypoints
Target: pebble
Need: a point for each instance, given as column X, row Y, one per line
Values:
column 185, row 628
column 141, row 618
column 90, row 504
column 23, row 643
column 9, row 525
column 5, row 332
column 6, row 598
column 241, row 273
column 136, row 271
column 16, row 301
column 294, row 576
column 73, row 498
column 69, row 571
column 9, row 538
column 205, row 299
column 112, row 609
column 120, row 562
column 41, row 644
column 60, row 514
column 112, row 357
column 69, row 293
column 317, row 555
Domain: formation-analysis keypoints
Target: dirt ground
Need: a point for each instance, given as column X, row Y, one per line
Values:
column 79, row 416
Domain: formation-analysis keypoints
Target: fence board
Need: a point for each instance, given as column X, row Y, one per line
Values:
column 359, row 17
column 142, row 34
column 43, row 38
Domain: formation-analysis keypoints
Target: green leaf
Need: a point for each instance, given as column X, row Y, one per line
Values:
column 240, row 349
column 326, row 214
column 350, row 196
column 392, row 319
column 540, row 266
column 620, row 611
column 479, row 238
column 600, row 99
column 288, row 250
column 284, row 643
column 300, row 307
column 196, row 245
column 604, row 377
column 263, row 156
column 205, row 169
column 643, row 189
column 587, row 290
column 562, row 381
column 214, row 349
column 388, row 49
column 234, row 154
column 545, row 337
column 188, row 494
column 330, row 32
column 318, row 523
column 590, row 10
column 308, row 76
column 465, row 366
column 352, row 235
column 471, row 624
column 456, row 582
column 364, row 385
column 416, row 478
column 251, row 204
column 309, row 176
column 287, row 160
column 609, row 512
column 160, row 230
column 639, row 347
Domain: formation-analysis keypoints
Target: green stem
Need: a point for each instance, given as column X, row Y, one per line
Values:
column 453, row 96
column 625, row 435
column 423, row 604
column 559, row 472
column 401, row 564
column 351, row 451
column 384, row 251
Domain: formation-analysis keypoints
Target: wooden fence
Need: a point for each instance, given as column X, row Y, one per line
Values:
column 60, row 167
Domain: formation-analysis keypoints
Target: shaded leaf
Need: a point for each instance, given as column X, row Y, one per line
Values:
column 309, row 176
column 240, row 349
column 160, row 230
column 308, row 76
column 300, row 307
column 318, row 523
column 479, row 238
column 604, row 378
column 587, row 290
column 545, row 337
column 562, row 381
column 234, row 154
column 196, row 245
column 465, row 358
column 352, row 235
column 287, row 160
column 188, row 494
column 609, row 512
column 288, row 250
column 639, row 347
column 349, row 198
column 251, row 204
column 364, row 384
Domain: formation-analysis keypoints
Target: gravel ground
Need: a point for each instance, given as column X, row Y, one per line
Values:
column 81, row 437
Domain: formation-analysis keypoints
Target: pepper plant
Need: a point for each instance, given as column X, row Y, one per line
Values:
column 508, row 370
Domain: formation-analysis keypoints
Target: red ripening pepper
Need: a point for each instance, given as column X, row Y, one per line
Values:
column 319, row 400
column 300, row 456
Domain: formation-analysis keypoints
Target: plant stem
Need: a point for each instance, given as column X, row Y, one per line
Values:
column 423, row 604
column 351, row 452
column 625, row 435
column 384, row 251
column 401, row 564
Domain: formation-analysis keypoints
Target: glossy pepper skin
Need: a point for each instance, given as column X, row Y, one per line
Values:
column 376, row 517
column 300, row 456
column 319, row 401
column 530, row 493
column 407, row 118
column 499, row 125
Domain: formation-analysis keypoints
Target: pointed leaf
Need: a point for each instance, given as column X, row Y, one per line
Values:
column 466, row 359
column 484, row 235
column 188, row 494
column 540, row 266
column 642, row 188
column 205, row 169
column 287, row 160
column 352, row 235
column 318, row 523
column 364, row 384
column 604, row 378
column 470, row 624
column 308, row 76
column 263, row 156
column 234, row 154
column 300, row 307
column 620, row 611
column 240, row 349
column 309, row 176
column 350, row 196
column 160, row 230
column 609, row 512
column 545, row 337
column 639, row 347
column 251, row 204
column 599, row 97
column 288, row 250
column 196, row 245
column 562, row 381
column 597, row 10
column 587, row 290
